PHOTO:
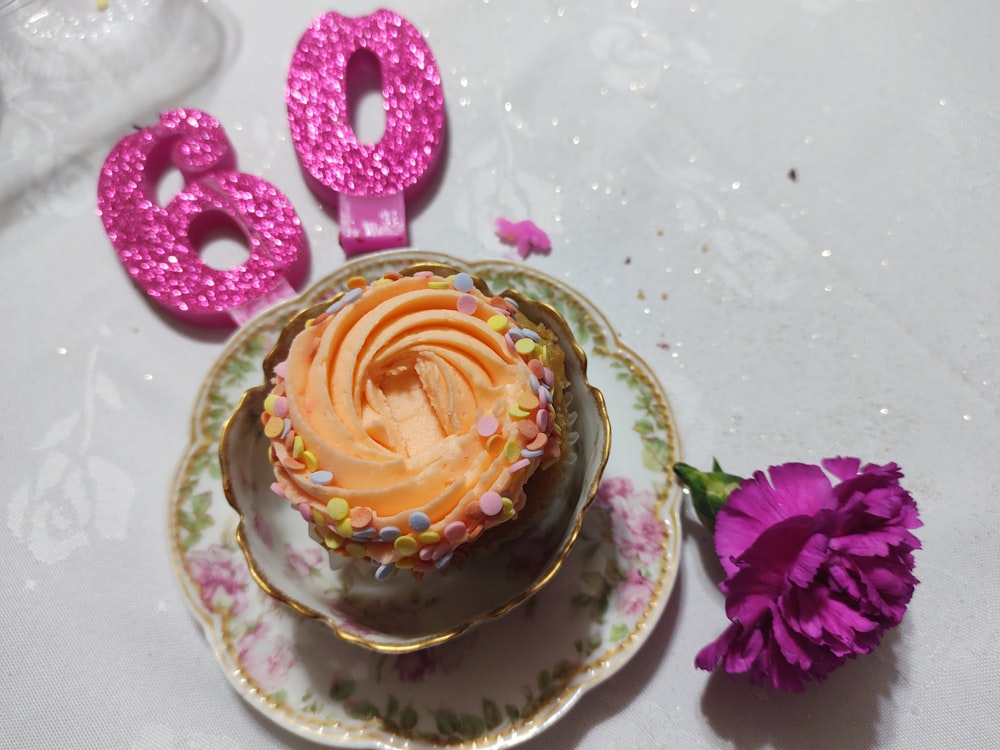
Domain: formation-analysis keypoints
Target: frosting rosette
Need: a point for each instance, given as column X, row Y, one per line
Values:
column 409, row 415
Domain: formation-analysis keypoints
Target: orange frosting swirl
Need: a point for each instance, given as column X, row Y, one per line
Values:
column 407, row 418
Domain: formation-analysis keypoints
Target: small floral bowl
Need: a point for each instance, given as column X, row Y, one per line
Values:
column 406, row 614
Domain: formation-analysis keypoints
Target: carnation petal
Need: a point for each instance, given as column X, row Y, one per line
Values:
column 744, row 651
column 806, row 565
column 799, row 489
column 842, row 467
column 712, row 655
column 793, row 648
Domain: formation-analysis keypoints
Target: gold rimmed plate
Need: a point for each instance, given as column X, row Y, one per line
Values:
column 405, row 614
column 506, row 680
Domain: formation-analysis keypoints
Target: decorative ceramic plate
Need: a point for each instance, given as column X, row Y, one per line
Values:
column 499, row 684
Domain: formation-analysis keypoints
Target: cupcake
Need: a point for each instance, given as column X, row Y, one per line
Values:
column 416, row 420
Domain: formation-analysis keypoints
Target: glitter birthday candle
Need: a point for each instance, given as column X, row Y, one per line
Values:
column 159, row 245
column 367, row 182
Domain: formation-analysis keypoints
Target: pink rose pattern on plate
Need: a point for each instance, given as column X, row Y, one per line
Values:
column 267, row 658
column 303, row 562
column 637, row 534
column 222, row 577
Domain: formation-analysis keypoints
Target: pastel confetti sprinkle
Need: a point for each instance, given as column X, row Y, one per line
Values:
column 527, row 428
column 463, row 282
column 508, row 511
column 538, row 443
column 361, row 517
column 419, row 521
column 454, row 531
column 444, row 560
column 337, row 508
column 517, row 412
column 544, row 397
column 280, row 406
column 515, row 467
column 382, row 572
column 467, row 304
column 511, row 451
column 321, row 477
column 355, row 550
column 292, row 464
column 287, row 428
column 269, row 405
column 278, row 490
column 525, row 346
column 274, row 427
column 305, row 510
column 498, row 323
column 422, row 274
column 390, row 534
column 357, row 282
column 488, row 425
column 528, row 401
column 298, row 446
column 438, row 284
column 527, row 453
column 491, row 503
column 279, row 369
column 363, row 535
column 428, row 537
column 495, row 445
column 343, row 527
column 309, row 459
column 405, row 545
column 353, row 295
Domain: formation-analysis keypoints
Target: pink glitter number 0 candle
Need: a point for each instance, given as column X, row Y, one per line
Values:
column 366, row 181
column 159, row 244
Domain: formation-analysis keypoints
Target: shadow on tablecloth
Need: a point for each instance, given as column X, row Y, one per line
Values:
column 843, row 713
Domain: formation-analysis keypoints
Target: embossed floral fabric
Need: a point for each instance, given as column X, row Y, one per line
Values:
column 816, row 572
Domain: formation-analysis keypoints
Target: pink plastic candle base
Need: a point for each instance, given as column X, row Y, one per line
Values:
column 376, row 223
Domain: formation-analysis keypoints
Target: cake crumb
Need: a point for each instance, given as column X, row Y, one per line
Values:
column 640, row 295
column 792, row 175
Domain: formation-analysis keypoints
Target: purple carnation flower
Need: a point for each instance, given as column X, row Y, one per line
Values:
column 815, row 572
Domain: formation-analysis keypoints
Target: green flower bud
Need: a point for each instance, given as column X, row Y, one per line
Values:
column 709, row 489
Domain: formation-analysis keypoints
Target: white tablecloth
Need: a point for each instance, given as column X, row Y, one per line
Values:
column 788, row 209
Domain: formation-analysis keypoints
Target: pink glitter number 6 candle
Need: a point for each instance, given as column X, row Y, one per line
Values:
column 158, row 244
column 366, row 181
